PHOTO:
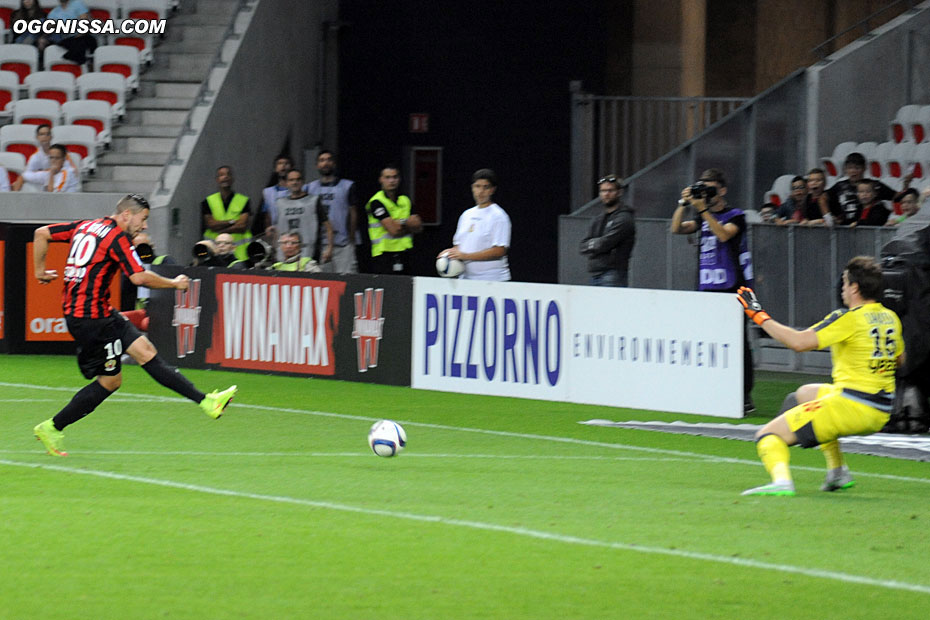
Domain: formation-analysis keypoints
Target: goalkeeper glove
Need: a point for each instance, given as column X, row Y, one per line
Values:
column 751, row 305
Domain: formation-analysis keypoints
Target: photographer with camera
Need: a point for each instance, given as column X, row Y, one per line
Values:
column 290, row 244
column 219, row 253
column 724, row 260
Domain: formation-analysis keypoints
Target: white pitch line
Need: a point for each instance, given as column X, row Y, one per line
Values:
column 493, row 527
column 446, row 427
column 367, row 455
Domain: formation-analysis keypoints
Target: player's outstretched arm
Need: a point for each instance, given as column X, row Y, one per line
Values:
column 153, row 280
column 40, row 241
column 793, row 339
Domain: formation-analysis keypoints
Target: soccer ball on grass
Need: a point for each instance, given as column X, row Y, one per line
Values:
column 387, row 438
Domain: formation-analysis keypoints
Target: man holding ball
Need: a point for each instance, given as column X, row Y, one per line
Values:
column 483, row 234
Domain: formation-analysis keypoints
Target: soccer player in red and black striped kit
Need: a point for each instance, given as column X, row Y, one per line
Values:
column 99, row 249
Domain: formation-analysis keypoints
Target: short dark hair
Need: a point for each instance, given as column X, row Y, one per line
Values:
column 390, row 166
column 867, row 273
column 816, row 171
column 864, row 181
column 60, row 147
column 297, row 170
column 225, row 166
column 277, row 159
column 487, row 174
column 856, row 159
column 133, row 202
column 325, row 152
column 910, row 191
column 43, row 125
column 798, row 178
column 715, row 175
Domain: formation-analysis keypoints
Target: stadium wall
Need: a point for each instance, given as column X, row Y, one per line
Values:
column 267, row 98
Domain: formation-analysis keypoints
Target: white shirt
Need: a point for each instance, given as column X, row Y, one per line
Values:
column 39, row 161
column 481, row 228
column 67, row 180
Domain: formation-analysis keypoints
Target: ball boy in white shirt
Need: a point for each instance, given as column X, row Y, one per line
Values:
column 482, row 237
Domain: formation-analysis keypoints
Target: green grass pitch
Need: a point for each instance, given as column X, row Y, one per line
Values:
column 498, row 508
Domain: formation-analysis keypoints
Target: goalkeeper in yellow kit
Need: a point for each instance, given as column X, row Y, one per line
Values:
column 866, row 346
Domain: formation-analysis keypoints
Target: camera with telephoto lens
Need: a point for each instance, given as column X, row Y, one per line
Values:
column 703, row 191
column 145, row 252
column 203, row 251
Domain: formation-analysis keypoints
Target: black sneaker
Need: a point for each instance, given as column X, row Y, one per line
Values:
column 748, row 406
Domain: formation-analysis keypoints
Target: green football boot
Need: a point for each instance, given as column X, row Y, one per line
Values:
column 215, row 402
column 51, row 437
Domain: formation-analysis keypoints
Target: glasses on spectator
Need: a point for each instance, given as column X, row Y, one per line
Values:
column 798, row 187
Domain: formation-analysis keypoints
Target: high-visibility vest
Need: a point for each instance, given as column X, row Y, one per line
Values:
column 381, row 241
column 300, row 265
column 221, row 214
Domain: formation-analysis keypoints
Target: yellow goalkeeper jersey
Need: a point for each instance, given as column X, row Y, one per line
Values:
column 865, row 344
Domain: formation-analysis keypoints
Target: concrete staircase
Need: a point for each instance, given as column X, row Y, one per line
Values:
column 155, row 116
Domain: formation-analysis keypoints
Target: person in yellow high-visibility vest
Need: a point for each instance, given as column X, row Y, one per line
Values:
column 227, row 211
column 391, row 225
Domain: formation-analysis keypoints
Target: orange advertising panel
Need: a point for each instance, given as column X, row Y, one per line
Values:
column 44, row 321
column 2, row 254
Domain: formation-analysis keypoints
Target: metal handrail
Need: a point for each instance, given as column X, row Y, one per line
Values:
column 822, row 53
column 201, row 98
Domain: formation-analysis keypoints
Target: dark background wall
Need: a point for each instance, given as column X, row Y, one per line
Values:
column 493, row 76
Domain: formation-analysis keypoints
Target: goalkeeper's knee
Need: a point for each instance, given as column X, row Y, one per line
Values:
column 790, row 402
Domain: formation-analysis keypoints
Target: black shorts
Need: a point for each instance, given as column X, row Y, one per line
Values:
column 101, row 343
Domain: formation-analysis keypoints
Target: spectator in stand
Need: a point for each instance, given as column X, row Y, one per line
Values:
column 818, row 204
column 768, row 212
column 39, row 160
column 78, row 45
column 845, row 208
column 227, row 211
column 278, row 189
column 910, row 205
column 338, row 197
column 874, row 212
column 29, row 11
column 59, row 177
column 792, row 210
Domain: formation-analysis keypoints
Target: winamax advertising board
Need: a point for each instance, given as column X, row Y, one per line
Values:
column 355, row 328
column 662, row 350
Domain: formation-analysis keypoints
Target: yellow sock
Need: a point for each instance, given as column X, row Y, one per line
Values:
column 831, row 451
column 773, row 451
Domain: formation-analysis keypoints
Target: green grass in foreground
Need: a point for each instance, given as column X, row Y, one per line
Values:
column 277, row 510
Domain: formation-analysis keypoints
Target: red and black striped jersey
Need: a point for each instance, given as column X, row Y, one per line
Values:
column 99, row 248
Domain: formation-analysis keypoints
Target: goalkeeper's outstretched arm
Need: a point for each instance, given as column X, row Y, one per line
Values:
column 794, row 339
